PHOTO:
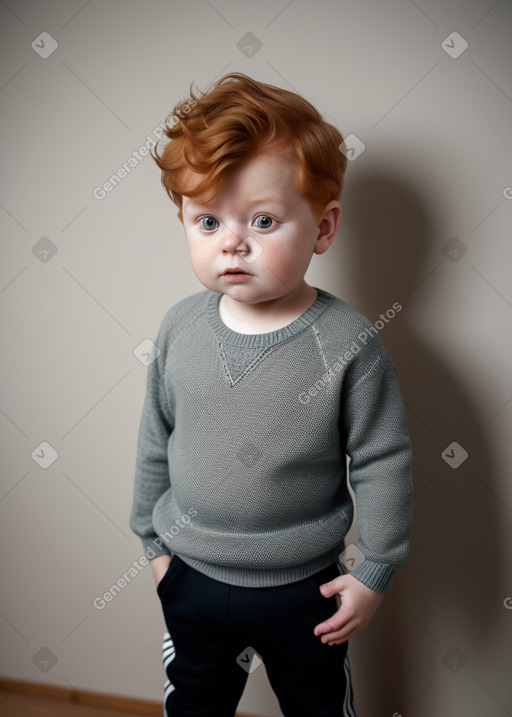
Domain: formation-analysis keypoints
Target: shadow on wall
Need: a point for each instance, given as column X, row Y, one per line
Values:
column 440, row 603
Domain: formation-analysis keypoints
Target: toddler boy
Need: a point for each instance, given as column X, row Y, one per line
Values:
column 263, row 385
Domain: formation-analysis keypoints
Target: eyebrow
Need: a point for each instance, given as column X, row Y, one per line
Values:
column 194, row 206
column 269, row 200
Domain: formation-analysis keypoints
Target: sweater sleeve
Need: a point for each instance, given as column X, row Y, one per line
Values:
column 377, row 441
column 152, row 469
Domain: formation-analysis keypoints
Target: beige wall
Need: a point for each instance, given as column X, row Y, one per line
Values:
column 436, row 166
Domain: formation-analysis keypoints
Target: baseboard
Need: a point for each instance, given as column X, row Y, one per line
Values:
column 129, row 705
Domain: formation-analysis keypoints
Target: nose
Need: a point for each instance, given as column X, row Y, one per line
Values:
column 234, row 241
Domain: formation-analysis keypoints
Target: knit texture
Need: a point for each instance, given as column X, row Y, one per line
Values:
column 241, row 465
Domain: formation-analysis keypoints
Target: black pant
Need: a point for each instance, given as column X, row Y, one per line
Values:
column 218, row 633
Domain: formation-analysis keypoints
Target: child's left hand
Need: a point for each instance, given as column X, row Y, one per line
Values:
column 358, row 605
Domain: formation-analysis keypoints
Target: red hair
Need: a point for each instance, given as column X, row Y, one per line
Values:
column 217, row 131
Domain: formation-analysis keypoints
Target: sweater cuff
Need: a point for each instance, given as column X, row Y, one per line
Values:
column 377, row 576
column 154, row 547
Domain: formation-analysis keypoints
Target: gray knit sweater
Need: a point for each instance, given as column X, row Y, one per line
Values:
column 241, row 465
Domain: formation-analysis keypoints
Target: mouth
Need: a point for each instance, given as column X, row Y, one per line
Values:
column 235, row 274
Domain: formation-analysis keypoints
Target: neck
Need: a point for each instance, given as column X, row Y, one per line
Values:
column 267, row 315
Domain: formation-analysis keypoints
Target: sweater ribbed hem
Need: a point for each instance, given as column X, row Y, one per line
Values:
column 377, row 576
column 153, row 547
column 252, row 578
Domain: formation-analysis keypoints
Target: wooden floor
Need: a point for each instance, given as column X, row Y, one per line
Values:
column 20, row 705
column 15, row 703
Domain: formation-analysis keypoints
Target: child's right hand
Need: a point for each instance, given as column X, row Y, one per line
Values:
column 159, row 566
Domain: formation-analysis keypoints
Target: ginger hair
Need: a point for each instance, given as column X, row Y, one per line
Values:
column 215, row 132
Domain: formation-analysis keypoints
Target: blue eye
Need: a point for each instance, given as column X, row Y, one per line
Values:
column 268, row 221
column 209, row 223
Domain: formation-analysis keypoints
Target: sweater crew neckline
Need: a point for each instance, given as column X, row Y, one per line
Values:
column 227, row 336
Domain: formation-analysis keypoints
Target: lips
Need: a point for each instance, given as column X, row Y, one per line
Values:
column 234, row 275
column 235, row 270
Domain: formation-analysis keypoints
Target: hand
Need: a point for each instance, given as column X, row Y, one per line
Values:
column 159, row 566
column 358, row 605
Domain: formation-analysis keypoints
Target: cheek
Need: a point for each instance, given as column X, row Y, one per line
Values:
column 198, row 251
column 197, row 264
column 288, row 257
column 201, row 266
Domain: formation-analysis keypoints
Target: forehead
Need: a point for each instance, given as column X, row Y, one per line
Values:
column 267, row 174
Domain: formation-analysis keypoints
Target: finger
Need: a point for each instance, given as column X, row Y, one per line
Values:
column 345, row 638
column 336, row 622
column 339, row 636
column 332, row 587
column 344, row 630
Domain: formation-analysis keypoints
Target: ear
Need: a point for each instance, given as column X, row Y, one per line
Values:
column 328, row 226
